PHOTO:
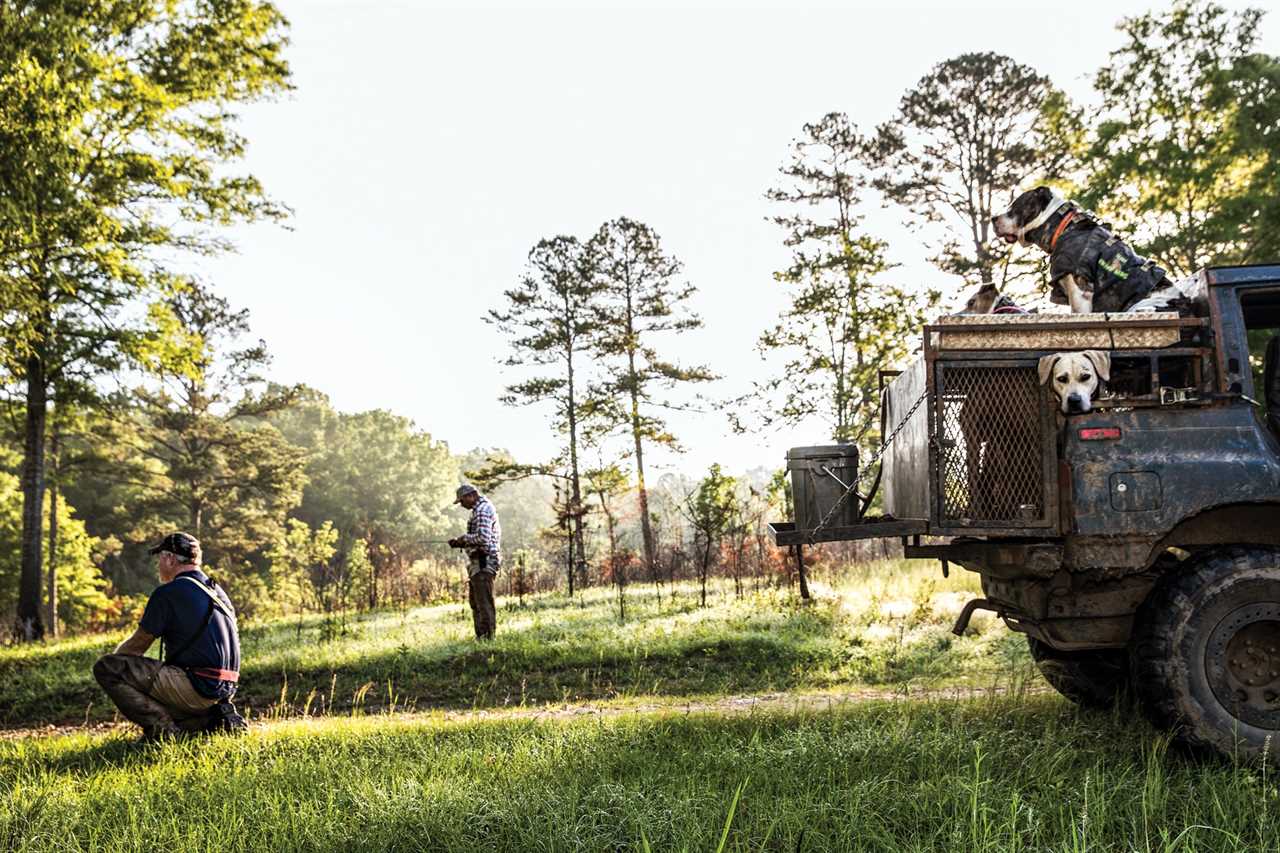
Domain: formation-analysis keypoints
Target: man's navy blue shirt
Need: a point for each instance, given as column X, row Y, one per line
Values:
column 175, row 611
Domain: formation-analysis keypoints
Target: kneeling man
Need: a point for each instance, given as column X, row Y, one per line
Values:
column 191, row 690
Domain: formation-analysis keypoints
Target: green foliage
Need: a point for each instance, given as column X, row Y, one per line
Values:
column 844, row 322
column 301, row 565
column 81, row 588
column 969, row 135
column 197, row 447
column 117, row 126
column 1186, row 157
column 376, row 477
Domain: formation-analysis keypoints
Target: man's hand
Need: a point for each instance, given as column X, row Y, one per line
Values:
column 456, row 542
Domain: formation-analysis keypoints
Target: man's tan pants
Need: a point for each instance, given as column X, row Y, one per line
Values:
column 156, row 696
column 484, row 612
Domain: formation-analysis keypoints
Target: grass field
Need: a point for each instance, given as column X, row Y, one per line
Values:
column 338, row 764
column 1011, row 773
column 886, row 624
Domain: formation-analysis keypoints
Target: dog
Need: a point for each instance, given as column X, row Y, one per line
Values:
column 989, row 300
column 1076, row 377
column 1090, row 268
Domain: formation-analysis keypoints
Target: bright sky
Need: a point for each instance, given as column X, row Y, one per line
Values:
column 428, row 148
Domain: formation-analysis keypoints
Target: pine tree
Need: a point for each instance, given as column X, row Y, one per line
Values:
column 549, row 320
column 641, row 304
column 844, row 322
column 966, row 138
column 210, row 461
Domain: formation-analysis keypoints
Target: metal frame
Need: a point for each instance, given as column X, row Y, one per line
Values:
column 1048, row 523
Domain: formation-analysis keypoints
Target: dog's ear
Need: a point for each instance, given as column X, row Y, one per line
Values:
column 1046, row 366
column 1101, row 362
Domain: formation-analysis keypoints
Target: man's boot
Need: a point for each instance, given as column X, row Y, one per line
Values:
column 225, row 720
column 161, row 734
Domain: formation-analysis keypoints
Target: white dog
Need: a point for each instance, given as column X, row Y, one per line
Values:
column 1077, row 376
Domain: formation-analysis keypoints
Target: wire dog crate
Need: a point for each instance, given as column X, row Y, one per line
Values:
column 990, row 452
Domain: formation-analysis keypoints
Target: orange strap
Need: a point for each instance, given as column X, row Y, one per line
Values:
column 217, row 674
column 1062, row 226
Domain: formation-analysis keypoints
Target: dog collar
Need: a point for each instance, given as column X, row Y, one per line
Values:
column 1054, row 203
column 1062, row 226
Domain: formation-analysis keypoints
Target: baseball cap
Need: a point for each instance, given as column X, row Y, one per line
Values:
column 464, row 490
column 183, row 545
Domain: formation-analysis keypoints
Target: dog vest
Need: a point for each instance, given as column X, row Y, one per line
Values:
column 1087, row 249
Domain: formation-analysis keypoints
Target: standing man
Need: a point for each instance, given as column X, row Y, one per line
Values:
column 191, row 690
column 483, row 542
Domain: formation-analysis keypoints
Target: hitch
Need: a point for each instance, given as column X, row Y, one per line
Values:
column 962, row 621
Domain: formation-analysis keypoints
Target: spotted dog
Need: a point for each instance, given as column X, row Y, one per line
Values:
column 1076, row 377
column 1090, row 268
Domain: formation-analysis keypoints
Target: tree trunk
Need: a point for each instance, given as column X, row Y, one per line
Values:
column 706, row 563
column 29, row 625
column 51, row 615
column 646, row 527
column 575, row 507
column 619, row 571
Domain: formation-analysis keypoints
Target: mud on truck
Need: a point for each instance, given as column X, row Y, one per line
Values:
column 1136, row 545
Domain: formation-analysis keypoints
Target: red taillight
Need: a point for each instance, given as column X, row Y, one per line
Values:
column 1099, row 433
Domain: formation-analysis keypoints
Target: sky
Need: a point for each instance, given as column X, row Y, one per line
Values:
column 426, row 148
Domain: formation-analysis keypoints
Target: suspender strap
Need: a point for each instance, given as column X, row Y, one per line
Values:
column 204, row 626
column 215, row 603
column 213, row 597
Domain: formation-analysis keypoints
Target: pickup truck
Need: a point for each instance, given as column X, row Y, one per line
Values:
column 1136, row 545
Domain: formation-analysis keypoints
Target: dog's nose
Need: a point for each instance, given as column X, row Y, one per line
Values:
column 1075, row 403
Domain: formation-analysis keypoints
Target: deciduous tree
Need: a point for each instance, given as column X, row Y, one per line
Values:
column 116, row 122
column 711, row 510
column 1186, row 156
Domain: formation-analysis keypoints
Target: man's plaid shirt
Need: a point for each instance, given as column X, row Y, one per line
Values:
column 484, row 535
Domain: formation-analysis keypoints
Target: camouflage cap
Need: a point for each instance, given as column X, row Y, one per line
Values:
column 180, row 544
column 464, row 490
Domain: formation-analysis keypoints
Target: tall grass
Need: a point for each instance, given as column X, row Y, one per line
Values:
column 884, row 624
column 992, row 774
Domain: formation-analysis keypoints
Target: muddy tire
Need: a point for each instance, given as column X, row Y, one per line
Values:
column 1091, row 679
column 1205, row 652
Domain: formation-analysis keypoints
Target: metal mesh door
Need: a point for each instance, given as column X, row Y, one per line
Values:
column 990, row 465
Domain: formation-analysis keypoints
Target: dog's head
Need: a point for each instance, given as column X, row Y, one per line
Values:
column 983, row 301
column 1028, row 211
column 1075, row 377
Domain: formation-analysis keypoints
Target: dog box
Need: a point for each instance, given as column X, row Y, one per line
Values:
column 819, row 478
column 1146, row 330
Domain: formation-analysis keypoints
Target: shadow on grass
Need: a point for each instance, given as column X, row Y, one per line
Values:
column 421, row 659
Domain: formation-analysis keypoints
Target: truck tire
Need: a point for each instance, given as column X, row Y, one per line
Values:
column 1096, row 678
column 1205, row 652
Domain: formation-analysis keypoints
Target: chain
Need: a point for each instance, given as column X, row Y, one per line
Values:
column 853, row 487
